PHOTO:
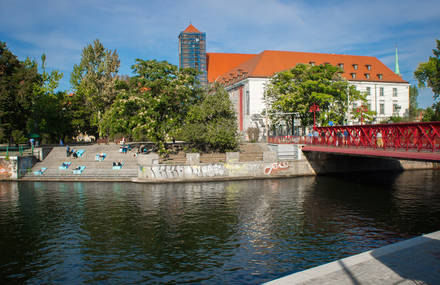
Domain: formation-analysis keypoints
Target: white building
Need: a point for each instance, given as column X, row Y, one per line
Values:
column 246, row 75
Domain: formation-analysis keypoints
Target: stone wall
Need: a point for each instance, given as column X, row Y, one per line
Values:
column 309, row 164
column 15, row 167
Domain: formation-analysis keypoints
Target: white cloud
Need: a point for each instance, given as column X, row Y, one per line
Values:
column 149, row 29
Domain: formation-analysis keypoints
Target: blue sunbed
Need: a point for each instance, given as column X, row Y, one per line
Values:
column 41, row 171
column 100, row 157
column 80, row 170
column 117, row 167
column 65, row 165
column 80, row 152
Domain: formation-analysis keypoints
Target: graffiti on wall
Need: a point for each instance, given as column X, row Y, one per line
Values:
column 186, row 171
column 276, row 167
column 6, row 168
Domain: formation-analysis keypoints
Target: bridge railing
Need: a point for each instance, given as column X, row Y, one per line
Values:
column 401, row 136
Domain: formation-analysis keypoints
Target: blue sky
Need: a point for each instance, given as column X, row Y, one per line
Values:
column 149, row 29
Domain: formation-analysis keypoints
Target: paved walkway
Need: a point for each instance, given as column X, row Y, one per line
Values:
column 414, row 261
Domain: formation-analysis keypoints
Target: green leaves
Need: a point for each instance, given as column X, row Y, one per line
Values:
column 94, row 79
column 428, row 73
column 295, row 90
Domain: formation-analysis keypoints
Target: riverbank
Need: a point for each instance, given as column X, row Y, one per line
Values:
column 257, row 161
column 414, row 261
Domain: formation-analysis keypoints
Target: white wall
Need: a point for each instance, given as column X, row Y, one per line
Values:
column 255, row 87
column 375, row 99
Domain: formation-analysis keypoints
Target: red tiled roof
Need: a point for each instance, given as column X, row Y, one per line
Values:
column 191, row 29
column 219, row 63
column 268, row 62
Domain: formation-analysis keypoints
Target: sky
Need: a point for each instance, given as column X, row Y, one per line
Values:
column 149, row 29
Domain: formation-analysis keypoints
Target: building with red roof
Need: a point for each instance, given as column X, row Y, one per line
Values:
column 246, row 75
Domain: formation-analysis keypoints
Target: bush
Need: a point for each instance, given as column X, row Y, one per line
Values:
column 18, row 137
column 211, row 124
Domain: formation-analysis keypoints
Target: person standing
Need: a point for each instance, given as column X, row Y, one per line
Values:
column 379, row 140
column 67, row 150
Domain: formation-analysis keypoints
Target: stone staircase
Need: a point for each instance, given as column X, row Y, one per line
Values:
column 94, row 169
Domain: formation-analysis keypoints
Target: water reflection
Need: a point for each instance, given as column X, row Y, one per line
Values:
column 228, row 232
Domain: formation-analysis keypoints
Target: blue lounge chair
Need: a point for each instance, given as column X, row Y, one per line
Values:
column 65, row 165
column 80, row 152
column 41, row 171
column 79, row 170
column 117, row 167
column 100, row 157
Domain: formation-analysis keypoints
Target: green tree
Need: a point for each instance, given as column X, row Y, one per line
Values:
column 94, row 80
column 295, row 90
column 211, row 125
column 17, row 82
column 428, row 74
column 47, row 116
column 413, row 105
column 156, row 105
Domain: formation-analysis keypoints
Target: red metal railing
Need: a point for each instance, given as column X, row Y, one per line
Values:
column 402, row 136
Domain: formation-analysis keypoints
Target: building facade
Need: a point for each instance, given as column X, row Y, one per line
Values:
column 192, row 51
column 387, row 93
column 245, row 77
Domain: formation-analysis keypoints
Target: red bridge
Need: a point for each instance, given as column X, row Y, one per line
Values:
column 417, row 141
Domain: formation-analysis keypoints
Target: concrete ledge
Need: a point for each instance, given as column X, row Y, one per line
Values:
column 338, row 269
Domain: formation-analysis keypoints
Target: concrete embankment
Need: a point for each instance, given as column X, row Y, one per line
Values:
column 273, row 163
column 272, row 166
column 414, row 261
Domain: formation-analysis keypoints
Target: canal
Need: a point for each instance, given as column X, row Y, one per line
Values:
column 238, row 232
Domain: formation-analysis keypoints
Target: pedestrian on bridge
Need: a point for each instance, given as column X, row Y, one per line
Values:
column 379, row 140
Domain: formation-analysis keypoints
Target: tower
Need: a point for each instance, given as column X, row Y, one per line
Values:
column 192, row 51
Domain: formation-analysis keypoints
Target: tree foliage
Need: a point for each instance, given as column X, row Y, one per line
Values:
column 211, row 125
column 156, row 105
column 413, row 105
column 295, row 90
column 17, row 81
column 93, row 81
column 29, row 102
column 428, row 73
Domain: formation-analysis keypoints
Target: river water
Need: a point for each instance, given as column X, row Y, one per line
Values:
column 238, row 232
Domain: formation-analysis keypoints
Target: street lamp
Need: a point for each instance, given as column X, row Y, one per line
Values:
column 314, row 108
column 361, row 110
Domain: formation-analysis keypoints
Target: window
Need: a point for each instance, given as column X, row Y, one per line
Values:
column 368, row 91
column 312, row 63
column 355, row 66
column 380, row 91
column 394, row 92
column 353, row 75
column 326, row 63
column 367, row 75
column 380, row 76
column 369, row 105
column 382, row 108
column 396, row 108
column 341, row 65
column 368, row 67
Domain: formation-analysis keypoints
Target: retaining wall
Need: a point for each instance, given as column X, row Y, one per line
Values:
column 15, row 167
column 309, row 164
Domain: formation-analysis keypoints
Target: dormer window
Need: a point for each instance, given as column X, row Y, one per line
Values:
column 368, row 67
column 326, row 63
column 355, row 66
column 312, row 63
column 341, row 65
column 353, row 75
column 367, row 76
column 380, row 76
